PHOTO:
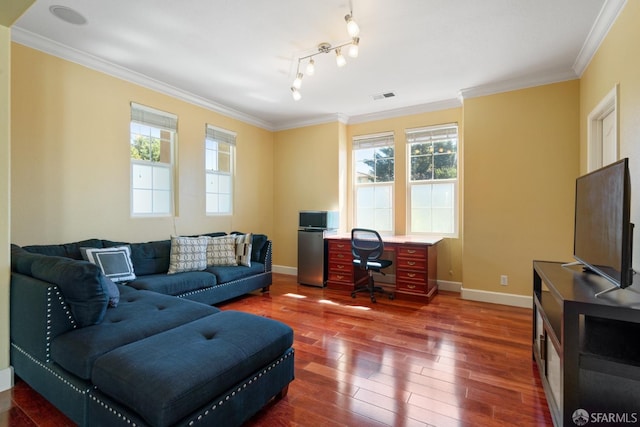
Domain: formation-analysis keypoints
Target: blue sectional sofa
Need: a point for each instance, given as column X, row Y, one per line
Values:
column 140, row 357
column 151, row 263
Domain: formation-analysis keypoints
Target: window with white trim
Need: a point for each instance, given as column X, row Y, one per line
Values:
column 220, row 147
column 374, row 172
column 432, row 154
column 152, row 140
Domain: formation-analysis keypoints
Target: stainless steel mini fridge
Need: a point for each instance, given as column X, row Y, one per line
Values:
column 312, row 249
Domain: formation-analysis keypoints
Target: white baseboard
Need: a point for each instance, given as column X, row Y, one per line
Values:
column 6, row 378
column 446, row 285
column 497, row 298
column 283, row 269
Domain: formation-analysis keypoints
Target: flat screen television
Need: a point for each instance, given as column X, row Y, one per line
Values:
column 603, row 234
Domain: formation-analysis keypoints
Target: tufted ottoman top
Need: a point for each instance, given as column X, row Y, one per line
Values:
column 139, row 314
column 169, row 375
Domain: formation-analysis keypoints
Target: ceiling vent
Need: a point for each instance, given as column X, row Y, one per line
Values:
column 383, row 95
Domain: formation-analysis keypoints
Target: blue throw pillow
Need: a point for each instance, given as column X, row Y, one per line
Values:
column 112, row 291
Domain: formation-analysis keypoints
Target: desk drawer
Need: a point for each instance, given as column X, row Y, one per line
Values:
column 346, row 277
column 341, row 257
column 411, row 264
column 415, row 287
column 411, row 276
column 341, row 267
column 412, row 252
column 339, row 246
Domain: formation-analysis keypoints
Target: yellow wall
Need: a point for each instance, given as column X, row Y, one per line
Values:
column 520, row 163
column 520, row 157
column 306, row 177
column 5, row 223
column 70, row 161
column 617, row 62
column 449, row 250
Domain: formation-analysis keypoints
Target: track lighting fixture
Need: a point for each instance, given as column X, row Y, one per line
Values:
column 353, row 30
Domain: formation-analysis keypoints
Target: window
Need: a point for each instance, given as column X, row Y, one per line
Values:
column 374, row 165
column 433, row 180
column 219, row 164
column 152, row 139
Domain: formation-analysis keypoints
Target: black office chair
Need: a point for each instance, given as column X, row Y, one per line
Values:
column 367, row 248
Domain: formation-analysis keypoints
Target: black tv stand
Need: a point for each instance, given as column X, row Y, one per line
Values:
column 586, row 349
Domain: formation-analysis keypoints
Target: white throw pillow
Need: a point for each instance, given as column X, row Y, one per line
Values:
column 115, row 262
column 188, row 254
column 221, row 250
column 243, row 249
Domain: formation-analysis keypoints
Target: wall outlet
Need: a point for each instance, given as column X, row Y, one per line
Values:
column 504, row 280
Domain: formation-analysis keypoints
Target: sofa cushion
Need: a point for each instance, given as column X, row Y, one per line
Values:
column 68, row 250
column 175, row 284
column 226, row 274
column 139, row 314
column 190, row 364
column 115, row 262
column 187, row 254
column 258, row 245
column 148, row 257
column 81, row 284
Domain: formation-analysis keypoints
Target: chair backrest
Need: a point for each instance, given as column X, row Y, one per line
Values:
column 366, row 245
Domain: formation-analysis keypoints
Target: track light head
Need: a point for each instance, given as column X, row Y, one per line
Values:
column 311, row 67
column 340, row 60
column 353, row 47
column 352, row 27
column 296, row 94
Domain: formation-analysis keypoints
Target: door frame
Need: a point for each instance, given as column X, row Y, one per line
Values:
column 608, row 105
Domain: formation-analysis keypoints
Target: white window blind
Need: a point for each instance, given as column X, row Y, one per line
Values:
column 154, row 118
column 372, row 141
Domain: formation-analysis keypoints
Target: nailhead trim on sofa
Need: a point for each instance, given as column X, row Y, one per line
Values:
column 49, row 370
column 202, row 416
column 240, row 388
column 112, row 410
column 50, row 298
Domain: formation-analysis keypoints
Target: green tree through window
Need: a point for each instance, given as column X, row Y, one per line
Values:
column 145, row 148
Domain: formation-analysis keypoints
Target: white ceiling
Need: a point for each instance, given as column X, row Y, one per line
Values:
column 239, row 57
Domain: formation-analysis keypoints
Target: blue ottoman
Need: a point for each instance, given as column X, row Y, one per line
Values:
column 168, row 376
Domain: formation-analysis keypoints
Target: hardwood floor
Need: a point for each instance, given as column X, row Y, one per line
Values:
column 394, row 363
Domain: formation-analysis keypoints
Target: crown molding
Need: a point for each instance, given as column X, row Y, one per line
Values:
column 406, row 111
column 320, row 120
column 51, row 47
column 516, row 84
column 607, row 16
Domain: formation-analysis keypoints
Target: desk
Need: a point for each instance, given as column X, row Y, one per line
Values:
column 415, row 266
